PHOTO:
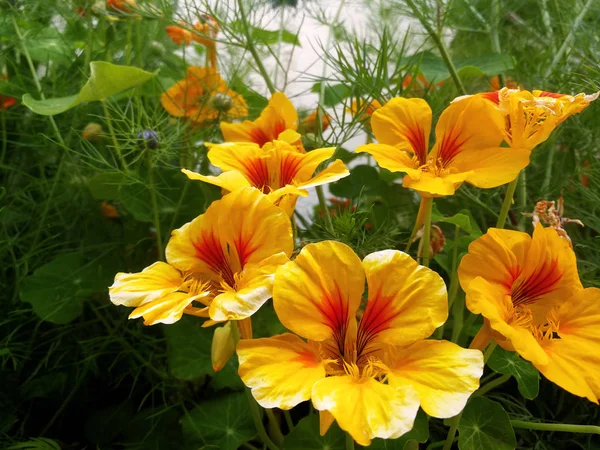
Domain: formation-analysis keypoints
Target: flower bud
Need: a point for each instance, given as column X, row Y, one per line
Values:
column 223, row 346
column 92, row 132
column 222, row 102
column 149, row 138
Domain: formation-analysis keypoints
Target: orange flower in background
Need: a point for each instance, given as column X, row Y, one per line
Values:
column 363, row 109
column 223, row 260
column 279, row 120
column 121, row 5
column 496, row 86
column 204, row 32
column 108, row 210
column 92, row 132
column 467, row 148
column 277, row 168
column 371, row 375
column 203, row 96
column 309, row 124
column 6, row 102
column 529, row 293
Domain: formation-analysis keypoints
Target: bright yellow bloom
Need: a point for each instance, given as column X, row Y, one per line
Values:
column 370, row 375
column 365, row 110
column 530, row 117
column 278, row 169
column 203, row 96
column 225, row 259
column 529, row 293
column 467, row 148
column 279, row 116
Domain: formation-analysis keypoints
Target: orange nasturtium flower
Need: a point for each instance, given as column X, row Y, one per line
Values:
column 278, row 169
column 530, row 117
column 278, row 117
column 309, row 123
column 532, row 301
column 468, row 137
column 203, row 32
column 370, row 375
column 225, row 260
column 121, row 5
column 203, row 96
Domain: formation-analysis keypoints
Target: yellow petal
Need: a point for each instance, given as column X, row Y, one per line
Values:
column 307, row 162
column 167, row 309
column 391, row 158
column 279, row 116
column 574, row 357
column 223, row 346
column 366, row 408
column 155, row 281
column 244, row 227
column 429, row 184
column 405, row 124
column 443, row 374
column 326, row 419
column 317, row 295
column 406, row 301
column 485, row 299
column 491, row 167
column 254, row 286
column 336, row 171
column 281, row 370
column 229, row 181
column 471, row 123
column 496, row 257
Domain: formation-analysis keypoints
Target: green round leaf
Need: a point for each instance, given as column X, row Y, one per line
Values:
column 510, row 363
column 306, row 435
column 188, row 348
column 484, row 425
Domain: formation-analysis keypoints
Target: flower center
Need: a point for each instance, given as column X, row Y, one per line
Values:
column 435, row 167
column 222, row 102
column 528, row 288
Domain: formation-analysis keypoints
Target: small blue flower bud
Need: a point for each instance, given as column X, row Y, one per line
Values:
column 149, row 138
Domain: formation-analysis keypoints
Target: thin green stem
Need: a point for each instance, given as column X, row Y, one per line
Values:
column 440, row 45
column 508, row 199
column 452, row 432
column 567, row 42
column 262, row 433
column 324, row 208
column 494, row 35
column 349, row 442
column 113, row 135
column 288, row 420
column 522, row 199
column 274, row 427
column 252, row 49
column 426, row 231
column 565, row 427
column 153, row 199
column 90, row 40
column 186, row 186
column 491, row 385
column 548, row 173
column 488, row 351
column 128, row 43
column 454, row 280
column 4, row 135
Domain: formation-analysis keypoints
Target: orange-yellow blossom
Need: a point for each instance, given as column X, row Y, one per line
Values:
column 223, row 261
column 467, row 148
column 370, row 375
column 529, row 293
column 278, row 169
column 203, row 96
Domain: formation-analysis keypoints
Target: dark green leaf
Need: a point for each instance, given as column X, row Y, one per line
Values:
column 188, row 348
column 305, row 435
column 362, row 176
column 484, row 425
column 48, row 45
column 153, row 429
column 137, row 199
column 44, row 386
column 224, row 421
column 57, row 290
column 106, row 80
column 227, row 377
column 104, row 425
column 105, row 185
column 510, row 363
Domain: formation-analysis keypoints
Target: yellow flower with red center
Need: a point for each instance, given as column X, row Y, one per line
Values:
column 370, row 375
column 277, row 168
column 529, row 293
column 530, row 117
column 225, row 260
column 467, row 148
column 203, row 96
column 279, row 120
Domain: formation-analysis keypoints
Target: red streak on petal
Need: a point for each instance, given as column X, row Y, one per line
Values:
column 261, row 136
column 450, row 147
column 416, row 137
column 289, row 166
column 209, row 249
column 541, row 282
column 551, row 94
column 257, row 172
column 307, row 359
column 494, row 97
column 244, row 249
column 334, row 310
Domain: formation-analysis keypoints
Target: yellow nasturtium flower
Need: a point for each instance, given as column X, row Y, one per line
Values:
column 278, row 169
column 529, row 293
column 278, row 117
column 225, row 260
column 530, row 117
column 468, row 137
column 369, row 374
